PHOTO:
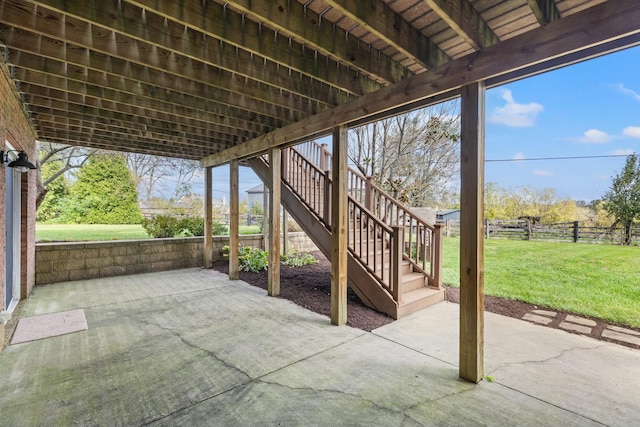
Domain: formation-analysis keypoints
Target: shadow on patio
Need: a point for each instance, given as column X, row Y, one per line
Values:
column 190, row 347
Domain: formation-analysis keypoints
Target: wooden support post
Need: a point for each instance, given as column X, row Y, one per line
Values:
column 265, row 215
column 339, row 227
column 275, row 169
column 436, row 257
column 285, row 232
column 326, row 204
column 471, row 236
column 234, row 222
column 324, row 157
column 208, row 218
column 397, row 249
column 368, row 194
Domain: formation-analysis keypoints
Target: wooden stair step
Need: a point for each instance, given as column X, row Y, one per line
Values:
column 418, row 299
column 411, row 282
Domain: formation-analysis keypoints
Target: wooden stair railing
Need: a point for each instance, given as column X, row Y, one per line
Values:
column 369, row 241
column 382, row 269
column 422, row 243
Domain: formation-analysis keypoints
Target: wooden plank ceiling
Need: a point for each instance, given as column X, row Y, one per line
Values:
column 193, row 78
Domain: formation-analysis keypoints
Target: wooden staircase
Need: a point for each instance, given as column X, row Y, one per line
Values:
column 395, row 258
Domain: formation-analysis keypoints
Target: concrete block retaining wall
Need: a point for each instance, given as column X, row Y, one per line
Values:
column 60, row 262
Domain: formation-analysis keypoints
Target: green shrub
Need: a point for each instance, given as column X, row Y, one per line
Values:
column 219, row 229
column 161, row 226
column 297, row 259
column 168, row 226
column 191, row 226
column 253, row 259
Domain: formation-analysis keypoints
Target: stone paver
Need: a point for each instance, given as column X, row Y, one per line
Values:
column 537, row 319
column 621, row 337
column 623, row 330
column 547, row 313
column 580, row 320
column 577, row 328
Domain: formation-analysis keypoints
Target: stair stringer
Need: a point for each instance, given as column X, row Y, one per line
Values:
column 361, row 281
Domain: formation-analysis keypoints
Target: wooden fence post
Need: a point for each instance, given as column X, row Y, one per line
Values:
column 576, row 231
column 528, row 229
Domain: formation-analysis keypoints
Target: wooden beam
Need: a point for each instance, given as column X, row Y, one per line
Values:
column 545, row 10
column 472, row 112
column 572, row 36
column 379, row 19
column 234, row 222
column 339, row 227
column 208, row 218
column 462, row 17
column 275, row 168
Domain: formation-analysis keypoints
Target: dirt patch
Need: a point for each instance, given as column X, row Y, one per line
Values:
column 310, row 287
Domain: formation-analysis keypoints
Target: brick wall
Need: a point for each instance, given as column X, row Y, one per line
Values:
column 59, row 262
column 16, row 128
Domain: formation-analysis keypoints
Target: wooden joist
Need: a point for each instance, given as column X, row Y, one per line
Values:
column 572, row 35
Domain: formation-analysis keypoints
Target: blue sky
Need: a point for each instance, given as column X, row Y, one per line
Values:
column 588, row 109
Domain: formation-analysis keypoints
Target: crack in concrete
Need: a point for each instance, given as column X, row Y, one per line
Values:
column 549, row 359
column 177, row 335
column 248, row 380
column 376, row 405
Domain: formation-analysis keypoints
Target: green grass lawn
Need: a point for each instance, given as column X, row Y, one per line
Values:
column 93, row 232
column 88, row 232
column 601, row 281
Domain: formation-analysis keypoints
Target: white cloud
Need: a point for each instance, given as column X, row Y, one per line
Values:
column 518, row 156
column 622, row 152
column 632, row 131
column 539, row 172
column 514, row 114
column 635, row 95
column 595, row 136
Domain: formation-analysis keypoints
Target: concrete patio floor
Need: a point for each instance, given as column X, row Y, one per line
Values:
column 190, row 347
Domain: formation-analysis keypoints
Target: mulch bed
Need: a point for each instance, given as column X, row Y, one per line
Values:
column 310, row 287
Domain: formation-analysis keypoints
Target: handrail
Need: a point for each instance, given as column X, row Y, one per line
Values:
column 382, row 232
column 307, row 181
column 369, row 239
column 420, row 237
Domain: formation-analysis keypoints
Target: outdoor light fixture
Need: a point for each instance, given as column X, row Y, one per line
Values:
column 21, row 164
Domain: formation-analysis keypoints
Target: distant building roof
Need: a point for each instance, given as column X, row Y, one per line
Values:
column 257, row 189
column 447, row 211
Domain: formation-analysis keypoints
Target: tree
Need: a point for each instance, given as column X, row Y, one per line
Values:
column 65, row 158
column 104, row 193
column 622, row 200
column 512, row 203
column 149, row 171
column 57, row 190
column 413, row 156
